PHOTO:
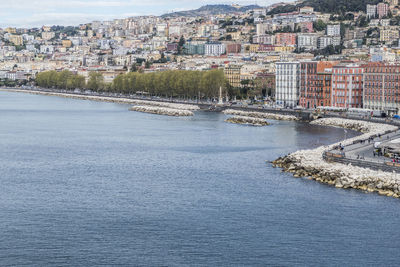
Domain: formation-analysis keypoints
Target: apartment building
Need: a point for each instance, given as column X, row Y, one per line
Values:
column 315, row 83
column 382, row 87
column 347, row 85
column 287, row 84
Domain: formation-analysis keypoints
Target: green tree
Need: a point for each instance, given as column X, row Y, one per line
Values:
column 319, row 25
column 96, row 81
column 181, row 45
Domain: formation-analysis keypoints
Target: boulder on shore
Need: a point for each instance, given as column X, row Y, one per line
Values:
column 162, row 111
column 261, row 115
column 310, row 163
column 247, row 121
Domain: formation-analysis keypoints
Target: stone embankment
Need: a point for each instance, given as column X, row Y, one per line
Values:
column 356, row 125
column 162, row 111
column 260, row 115
column 310, row 163
column 247, row 121
column 114, row 100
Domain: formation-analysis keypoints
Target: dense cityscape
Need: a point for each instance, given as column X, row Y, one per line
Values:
column 287, row 54
column 235, row 134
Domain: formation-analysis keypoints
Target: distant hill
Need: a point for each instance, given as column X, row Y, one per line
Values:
column 211, row 10
column 327, row 6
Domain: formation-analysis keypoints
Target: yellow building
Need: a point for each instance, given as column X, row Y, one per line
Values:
column 16, row 39
column 235, row 35
column 284, row 48
column 66, row 43
column 389, row 34
column 252, row 48
column 48, row 35
column 11, row 30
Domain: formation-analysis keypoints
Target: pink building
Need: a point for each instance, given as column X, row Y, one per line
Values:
column 285, row 39
column 382, row 9
column 172, row 47
column 306, row 26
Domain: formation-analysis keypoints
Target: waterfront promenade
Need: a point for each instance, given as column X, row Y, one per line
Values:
column 362, row 154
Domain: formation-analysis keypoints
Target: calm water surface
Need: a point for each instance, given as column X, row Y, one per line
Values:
column 89, row 183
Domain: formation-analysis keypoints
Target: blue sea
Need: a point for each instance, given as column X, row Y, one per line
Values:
column 86, row 183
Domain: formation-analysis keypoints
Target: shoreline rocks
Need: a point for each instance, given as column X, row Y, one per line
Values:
column 247, row 121
column 112, row 99
column 359, row 126
column 162, row 111
column 310, row 163
column 260, row 115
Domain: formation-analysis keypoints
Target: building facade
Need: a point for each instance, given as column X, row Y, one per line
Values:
column 315, row 83
column 285, row 39
column 333, row 30
column 382, row 10
column 381, row 87
column 371, row 11
column 214, row 49
column 307, row 41
column 287, row 84
column 347, row 85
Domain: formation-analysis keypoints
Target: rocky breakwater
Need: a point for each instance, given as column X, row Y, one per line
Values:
column 113, row 99
column 310, row 163
column 247, row 121
column 162, row 111
column 260, row 115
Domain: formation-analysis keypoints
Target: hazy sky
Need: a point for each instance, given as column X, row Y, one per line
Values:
column 33, row 13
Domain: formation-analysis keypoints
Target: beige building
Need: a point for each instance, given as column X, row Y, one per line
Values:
column 16, row 39
column 48, row 35
column 11, row 30
column 388, row 34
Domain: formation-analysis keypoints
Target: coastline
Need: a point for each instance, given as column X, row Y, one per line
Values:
column 110, row 99
column 311, row 163
column 304, row 163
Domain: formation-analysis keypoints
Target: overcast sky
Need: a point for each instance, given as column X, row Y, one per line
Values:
column 34, row 13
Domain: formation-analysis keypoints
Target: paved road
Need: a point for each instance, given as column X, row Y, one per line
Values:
column 365, row 150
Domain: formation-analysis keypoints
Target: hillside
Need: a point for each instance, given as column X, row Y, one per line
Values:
column 328, row 6
column 211, row 10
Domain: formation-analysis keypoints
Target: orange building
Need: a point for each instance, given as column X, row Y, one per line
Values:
column 382, row 86
column 315, row 83
column 347, row 85
column 285, row 39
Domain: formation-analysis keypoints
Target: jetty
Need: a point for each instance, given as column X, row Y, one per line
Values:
column 162, row 111
column 319, row 166
column 247, row 121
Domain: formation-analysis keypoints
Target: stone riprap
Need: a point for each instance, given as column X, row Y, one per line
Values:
column 260, row 115
column 247, row 121
column 310, row 163
column 162, row 111
column 113, row 99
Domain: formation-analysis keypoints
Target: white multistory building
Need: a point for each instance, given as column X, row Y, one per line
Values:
column 325, row 41
column 46, row 49
column 267, row 39
column 214, row 49
column 308, row 41
column 371, row 11
column 287, row 84
column 333, row 30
